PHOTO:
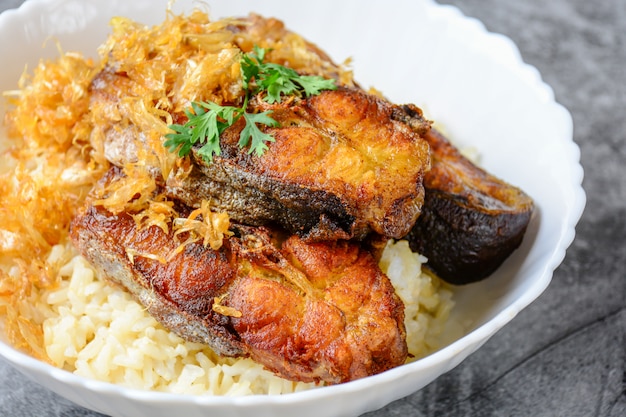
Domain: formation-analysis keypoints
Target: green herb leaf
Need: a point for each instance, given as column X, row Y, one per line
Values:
column 250, row 65
column 252, row 131
column 179, row 141
column 277, row 80
column 205, row 124
column 314, row 85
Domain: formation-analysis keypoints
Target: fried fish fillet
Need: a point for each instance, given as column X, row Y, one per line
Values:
column 471, row 220
column 342, row 165
column 307, row 311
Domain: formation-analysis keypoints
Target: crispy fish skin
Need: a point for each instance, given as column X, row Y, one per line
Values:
column 471, row 221
column 179, row 293
column 350, row 323
column 308, row 312
column 342, row 166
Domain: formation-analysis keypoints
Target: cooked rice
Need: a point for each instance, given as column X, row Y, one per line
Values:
column 98, row 331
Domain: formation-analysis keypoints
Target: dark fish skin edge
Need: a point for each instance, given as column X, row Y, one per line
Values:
column 295, row 208
column 466, row 235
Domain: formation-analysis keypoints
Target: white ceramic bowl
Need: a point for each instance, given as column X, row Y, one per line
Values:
column 471, row 81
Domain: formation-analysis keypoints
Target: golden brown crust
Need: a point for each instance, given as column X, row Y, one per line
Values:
column 351, row 324
column 341, row 167
column 309, row 312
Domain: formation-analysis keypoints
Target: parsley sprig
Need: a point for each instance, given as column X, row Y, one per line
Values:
column 278, row 80
column 206, row 121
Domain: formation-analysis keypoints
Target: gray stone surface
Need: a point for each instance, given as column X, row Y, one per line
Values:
column 565, row 354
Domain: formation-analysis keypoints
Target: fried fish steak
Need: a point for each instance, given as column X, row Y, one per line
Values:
column 341, row 167
column 306, row 311
column 471, row 221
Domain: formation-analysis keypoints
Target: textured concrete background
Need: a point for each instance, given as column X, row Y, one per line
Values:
column 565, row 354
